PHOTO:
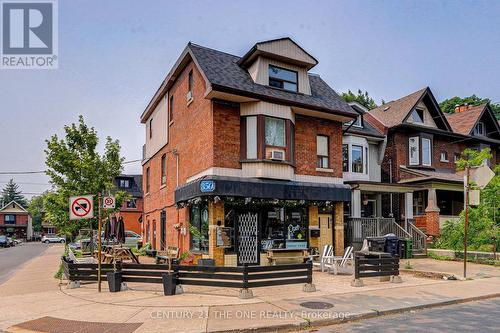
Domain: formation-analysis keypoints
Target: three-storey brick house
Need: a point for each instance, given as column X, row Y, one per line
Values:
column 244, row 154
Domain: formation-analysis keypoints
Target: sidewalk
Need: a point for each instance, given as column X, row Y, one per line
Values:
column 33, row 295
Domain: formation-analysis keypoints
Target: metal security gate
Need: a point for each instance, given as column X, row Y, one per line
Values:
column 248, row 238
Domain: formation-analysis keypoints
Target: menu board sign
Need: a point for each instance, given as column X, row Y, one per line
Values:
column 223, row 237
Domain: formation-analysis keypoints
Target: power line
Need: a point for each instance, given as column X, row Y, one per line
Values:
column 43, row 171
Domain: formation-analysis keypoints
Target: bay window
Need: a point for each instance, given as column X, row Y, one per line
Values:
column 426, row 151
column 414, row 150
column 345, row 158
column 322, row 152
column 275, row 132
column 357, row 159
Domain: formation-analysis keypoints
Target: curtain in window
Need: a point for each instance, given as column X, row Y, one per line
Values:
column 413, row 144
column 275, row 132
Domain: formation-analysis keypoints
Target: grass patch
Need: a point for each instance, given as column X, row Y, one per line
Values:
column 490, row 262
column 408, row 265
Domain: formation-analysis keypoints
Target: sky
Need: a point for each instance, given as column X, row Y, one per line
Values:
column 114, row 54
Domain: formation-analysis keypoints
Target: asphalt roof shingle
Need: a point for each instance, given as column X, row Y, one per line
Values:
column 222, row 69
column 463, row 122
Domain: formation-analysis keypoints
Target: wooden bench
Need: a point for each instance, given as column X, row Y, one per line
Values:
column 287, row 256
column 165, row 256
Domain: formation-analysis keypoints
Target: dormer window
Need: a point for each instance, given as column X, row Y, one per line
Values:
column 357, row 122
column 124, row 183
column 417, row 116
column 479, row 129
column 283, row 78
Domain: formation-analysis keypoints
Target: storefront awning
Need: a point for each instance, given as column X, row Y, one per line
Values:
column 261, row 188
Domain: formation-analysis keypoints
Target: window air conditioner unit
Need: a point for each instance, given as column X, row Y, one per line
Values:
column 189, row 96
column 277, row 155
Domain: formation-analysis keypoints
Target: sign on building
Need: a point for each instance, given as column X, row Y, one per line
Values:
column 81, row 207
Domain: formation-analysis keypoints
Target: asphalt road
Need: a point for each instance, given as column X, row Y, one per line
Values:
column 12, row 258
column 480, row 316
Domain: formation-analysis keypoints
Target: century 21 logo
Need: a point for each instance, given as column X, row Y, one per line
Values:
column 27, row 27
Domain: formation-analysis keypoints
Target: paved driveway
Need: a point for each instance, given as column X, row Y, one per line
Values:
column 12, row 258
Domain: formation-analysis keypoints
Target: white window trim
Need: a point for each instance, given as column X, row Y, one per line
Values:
column 476, row 132
column 443, row 159
column 417, row 141
column 430, row 151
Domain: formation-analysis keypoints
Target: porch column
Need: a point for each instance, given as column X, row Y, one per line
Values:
column 432, row 213
column 215, row 219
column 338, row 222
column 408, row 208
column 356, row 203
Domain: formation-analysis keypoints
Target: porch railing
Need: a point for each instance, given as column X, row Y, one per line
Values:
column 418, row 236
column 358, row 228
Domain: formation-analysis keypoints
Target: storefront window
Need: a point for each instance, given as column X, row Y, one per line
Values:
column 198, row 228
column 284, row 228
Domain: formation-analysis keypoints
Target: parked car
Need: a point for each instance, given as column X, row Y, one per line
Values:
column 17, row 241
column 4, row 242
column 132, row 238
column 11, row 241
column 53, row 239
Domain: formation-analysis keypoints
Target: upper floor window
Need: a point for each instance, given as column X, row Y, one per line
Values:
column 283, row 78
column 275, row 132
column 190, row 86
column 414, row 150
column 479, row 129
column 420, row 151
column 456, row 157
column 131, row 203
column 150, row 128
column 426, row 152
column 164, row 169
column 171, row 109
column 357, row 159
column 322, row 152
column 345, row 158
column 10, row 219
column 417, row 116
column 356, row 122
column 124, row 183
column 148, row 179
column 444, row 156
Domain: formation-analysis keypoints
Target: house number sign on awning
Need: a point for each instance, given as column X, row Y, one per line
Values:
column 207, row 186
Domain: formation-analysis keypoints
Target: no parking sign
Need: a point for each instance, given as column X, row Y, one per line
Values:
column 81, row 207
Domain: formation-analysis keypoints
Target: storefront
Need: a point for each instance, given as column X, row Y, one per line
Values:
column 237, row 221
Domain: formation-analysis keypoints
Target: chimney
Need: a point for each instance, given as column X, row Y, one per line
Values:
column 462, row 107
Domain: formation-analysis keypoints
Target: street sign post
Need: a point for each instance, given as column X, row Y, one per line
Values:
column 81, row 207
column 108, row 202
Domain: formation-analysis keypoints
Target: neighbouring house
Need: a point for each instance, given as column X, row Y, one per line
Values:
column 419, row 160
column 131, row 209
column 15, row 221
column 244, row 155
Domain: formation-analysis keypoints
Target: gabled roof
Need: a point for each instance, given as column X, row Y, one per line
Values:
column 465, row 121
column 281, row 48
column 135, row 188
column 367, row 128
column 18, row 206
column 223, row 74
column 394, row 113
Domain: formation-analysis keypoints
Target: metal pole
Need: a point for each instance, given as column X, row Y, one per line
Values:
column 466, row 224
column 99, row 242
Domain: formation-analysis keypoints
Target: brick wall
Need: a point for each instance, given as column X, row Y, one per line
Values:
column 191, row 134
column 226, row 120
column 21, row 219
column 306, row 130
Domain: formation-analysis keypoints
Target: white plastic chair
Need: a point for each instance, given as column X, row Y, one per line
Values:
column 337, row 263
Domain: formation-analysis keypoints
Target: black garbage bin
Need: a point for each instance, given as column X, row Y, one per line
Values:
column 402, row 248
column 376, row 244
column 391, row 245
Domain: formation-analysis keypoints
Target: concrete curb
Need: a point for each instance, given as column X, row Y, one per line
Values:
column 358, row 317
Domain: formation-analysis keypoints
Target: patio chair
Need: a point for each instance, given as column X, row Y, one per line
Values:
column 337, row 263
column 81, row 260
column 323, row 259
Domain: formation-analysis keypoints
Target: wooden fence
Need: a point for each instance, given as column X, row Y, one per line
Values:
column 213, row 276
column 372, row 266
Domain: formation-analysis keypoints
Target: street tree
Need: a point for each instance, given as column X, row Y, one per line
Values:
column 11, row 192
column 361, row 97
column 75, row 167
column 35, row 208
column 448, row 105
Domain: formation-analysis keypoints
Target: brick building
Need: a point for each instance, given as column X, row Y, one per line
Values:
column 243, row 155
column 131, row 209
column 15, row 221
column 419, row 159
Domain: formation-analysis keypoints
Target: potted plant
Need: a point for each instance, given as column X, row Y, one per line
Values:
column 114, row 280
column 186, row 258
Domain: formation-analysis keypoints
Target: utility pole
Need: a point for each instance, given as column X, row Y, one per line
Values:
column 466, row 224
column 99, row 242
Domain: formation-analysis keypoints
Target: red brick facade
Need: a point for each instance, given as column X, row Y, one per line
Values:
column 131, row 216
column 206, row 133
